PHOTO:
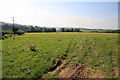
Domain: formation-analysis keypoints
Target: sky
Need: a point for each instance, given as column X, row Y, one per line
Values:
column 94, row 14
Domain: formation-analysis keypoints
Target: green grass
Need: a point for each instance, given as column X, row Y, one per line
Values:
column 96, row 50
column 0, row 58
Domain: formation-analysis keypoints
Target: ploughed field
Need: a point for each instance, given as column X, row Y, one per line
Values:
column 98, row 52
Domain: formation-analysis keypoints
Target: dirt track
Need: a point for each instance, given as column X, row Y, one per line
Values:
column 69, row 70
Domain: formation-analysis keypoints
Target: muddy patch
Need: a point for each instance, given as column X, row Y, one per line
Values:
column 66, row 69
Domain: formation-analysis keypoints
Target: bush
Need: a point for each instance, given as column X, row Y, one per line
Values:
column 20, row 32
column 6, row 34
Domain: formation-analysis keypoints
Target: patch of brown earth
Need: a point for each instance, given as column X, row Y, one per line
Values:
column 96, row 74
column 67, row 69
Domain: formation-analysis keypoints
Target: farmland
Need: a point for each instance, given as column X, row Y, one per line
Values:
column 98, row 51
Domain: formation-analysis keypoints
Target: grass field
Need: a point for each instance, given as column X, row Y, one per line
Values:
column 98, row 51
column 0, row 59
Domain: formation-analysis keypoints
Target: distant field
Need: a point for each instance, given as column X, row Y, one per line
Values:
column 98, row 51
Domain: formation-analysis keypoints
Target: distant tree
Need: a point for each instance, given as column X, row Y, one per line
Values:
column 67, row 30
column 40, row 29
column 36, row 27
column 46, row 30
column 32, row 29
column 20, row 32
column 72, row 30
column 77, row 30
column 62, row 29
column 53, row 29
column 15, row 29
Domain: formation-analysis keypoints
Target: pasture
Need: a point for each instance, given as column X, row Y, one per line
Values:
column 98, row 51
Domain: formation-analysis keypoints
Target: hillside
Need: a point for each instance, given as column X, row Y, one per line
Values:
column 30, row 28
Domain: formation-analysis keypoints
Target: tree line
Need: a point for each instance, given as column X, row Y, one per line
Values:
column 41, row 29
column 70, row 30
column 30, row 28
column 44, row 29
column 21, row 29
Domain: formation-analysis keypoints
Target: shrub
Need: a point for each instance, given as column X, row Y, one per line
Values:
column 6, row 34
column 20, row 32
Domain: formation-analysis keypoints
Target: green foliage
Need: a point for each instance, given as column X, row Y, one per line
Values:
column 53, row 75
column 77, row 30
column 6, row 34
column 95, row 50
column 70, row 30
column 62, row 29
column 15, row 30
column 30, row 28
column 20, row 32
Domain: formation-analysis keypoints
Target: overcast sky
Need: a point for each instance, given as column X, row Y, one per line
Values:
column 65, row 13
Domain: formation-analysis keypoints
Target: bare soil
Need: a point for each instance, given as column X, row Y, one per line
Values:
column 66, row 69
